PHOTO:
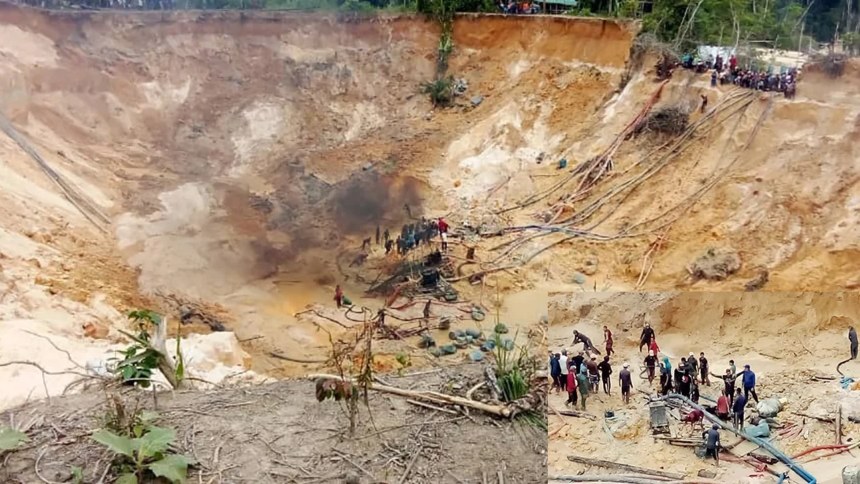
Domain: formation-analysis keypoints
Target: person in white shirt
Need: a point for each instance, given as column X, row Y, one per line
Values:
column 563, row 362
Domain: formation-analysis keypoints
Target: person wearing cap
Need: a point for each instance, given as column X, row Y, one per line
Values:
column 749, row 383
column 605, row 371
column 626, row 383
column 712, row 443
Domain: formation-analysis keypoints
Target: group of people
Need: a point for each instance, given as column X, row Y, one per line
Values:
column 511, row 7
column 728, row 72
column 411, row 236
column 582, row 374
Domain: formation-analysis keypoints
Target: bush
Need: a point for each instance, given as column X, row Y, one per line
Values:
column 441, row 91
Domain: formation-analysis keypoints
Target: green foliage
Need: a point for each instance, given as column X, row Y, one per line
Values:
column 145, row 453
column 139, row 360
column 404, row 360
column 441, row 91
column 357, row 6
column 11, row 439
column 77, row 475
column 513, row 369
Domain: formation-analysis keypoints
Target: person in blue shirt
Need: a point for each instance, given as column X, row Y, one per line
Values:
column 738, row 410
column 555, row 371
column 749, row 384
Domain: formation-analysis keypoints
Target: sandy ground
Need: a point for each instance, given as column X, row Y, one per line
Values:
column 787, row 338
column 280, row 433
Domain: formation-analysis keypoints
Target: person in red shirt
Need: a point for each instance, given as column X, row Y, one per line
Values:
column 723, row 407
column 607, row 338
column 693, row 418
column 443, row 226
column 338, row 296
column 653, row 346
column 571, row 389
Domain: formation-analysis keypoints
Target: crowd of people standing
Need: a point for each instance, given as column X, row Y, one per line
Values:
column 582, row 374
column 727, row 71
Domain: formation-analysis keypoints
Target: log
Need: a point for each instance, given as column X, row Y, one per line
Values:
column 625, row 467
column 435, row 397
column 576, row 413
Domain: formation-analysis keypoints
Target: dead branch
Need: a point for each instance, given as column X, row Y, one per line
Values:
column 294, row 360
column 625, row 467
column 435, row 397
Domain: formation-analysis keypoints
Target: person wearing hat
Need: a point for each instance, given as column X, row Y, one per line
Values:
column 626, row 383
column 749, row 383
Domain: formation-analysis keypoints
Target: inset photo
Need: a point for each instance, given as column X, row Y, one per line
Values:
column 732, row 387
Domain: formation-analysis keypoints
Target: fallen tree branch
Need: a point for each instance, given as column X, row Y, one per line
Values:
column 294, row 360
column 435, row 397
column 625, row 467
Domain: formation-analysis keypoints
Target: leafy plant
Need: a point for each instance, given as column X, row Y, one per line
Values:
column 140, row 359
column 441, row 90
column 145, row 453
column 10, row 439
column 77, row 475
column 404, row 360
column 511, row 370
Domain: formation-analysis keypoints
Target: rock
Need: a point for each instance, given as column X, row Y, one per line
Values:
column 476, row 355
column 95, row 330
column 500, row 328
column 367, row 166
column 476, row 100
column 445, row 323
column 474, row 333
column 352, row 479
column 715, row 264
column 456, row 334
column 488, row 345
column 477, row 314
column 426, row 342
column 707, row 474
column 579, row 278
column 589, row 266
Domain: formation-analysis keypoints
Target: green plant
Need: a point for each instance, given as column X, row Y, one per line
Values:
column 10, row 439
column 441, row 91
column 404, row 360
column 146, row 452
column 139, row 359
column 77, row 475
column 514, row 369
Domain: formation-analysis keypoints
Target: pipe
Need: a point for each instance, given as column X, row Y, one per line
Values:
column 820, row 447
column 800, row 471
